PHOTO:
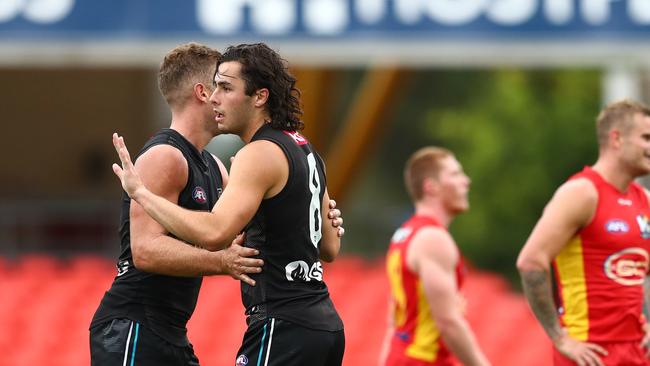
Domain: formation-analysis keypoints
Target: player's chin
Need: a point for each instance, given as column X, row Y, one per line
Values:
column 222, row 128
column 644, row 169
column 461, row 207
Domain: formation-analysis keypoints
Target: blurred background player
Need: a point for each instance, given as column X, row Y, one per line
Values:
column 278, row 193
column 425, row 269
column 595, row 231
column 142, row 318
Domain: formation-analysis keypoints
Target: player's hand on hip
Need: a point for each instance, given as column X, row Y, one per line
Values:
column 334, row 215
column 130, row 179
column 582, row 353
column 238, row 261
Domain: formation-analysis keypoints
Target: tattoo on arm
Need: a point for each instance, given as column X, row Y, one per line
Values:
column 537, row 288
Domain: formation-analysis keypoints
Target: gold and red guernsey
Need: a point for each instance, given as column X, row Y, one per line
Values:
column 600, row 272
column 416, row 334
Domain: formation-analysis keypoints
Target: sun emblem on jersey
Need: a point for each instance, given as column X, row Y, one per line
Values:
column 627, row 267
column 644, row 226
column 199, row 195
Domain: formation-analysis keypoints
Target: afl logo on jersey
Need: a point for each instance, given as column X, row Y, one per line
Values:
column 627, row 267
column 242, row 360
column 617, row 226
column 401, row 234
column 199, row 195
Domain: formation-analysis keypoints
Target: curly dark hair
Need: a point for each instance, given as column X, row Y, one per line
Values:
column 262, row 67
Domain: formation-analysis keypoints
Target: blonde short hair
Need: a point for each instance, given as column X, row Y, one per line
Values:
column 424, row 163
column 618, row 115
column 183, row 67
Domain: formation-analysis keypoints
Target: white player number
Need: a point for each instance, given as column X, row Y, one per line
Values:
column 315, row 219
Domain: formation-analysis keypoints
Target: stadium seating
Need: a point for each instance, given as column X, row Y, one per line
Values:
column 46, row 305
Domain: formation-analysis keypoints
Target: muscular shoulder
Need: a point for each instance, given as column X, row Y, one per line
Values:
column 432, row 244
column 262, row 156
column 573, row 205
column 577, row 193
column 264, row 149
column 163, row 168
column 580, row 189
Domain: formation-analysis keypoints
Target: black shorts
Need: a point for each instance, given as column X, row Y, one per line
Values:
column 122, row 342
column 277, row 342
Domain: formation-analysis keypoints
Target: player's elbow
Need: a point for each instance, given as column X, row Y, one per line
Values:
column 327, row 257
column 214, row 240
column 449, row 324
column 527, row 263
column 141, row 257
column 329, row 250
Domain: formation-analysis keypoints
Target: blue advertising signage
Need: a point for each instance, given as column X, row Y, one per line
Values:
column 558, row 20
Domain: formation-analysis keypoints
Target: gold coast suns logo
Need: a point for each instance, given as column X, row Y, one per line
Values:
column 627, row 267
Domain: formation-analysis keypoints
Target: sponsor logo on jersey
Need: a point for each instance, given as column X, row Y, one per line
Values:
column 624, row 202
column 199, row 195
column 300, row 271
column 617, row 226
column 298, row 138
column 242, row 360
column 627, row 267
column 644, row 226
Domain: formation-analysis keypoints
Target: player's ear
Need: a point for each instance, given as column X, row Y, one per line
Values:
column 261, row 96
column 201, row 92
column 430, row 186
column 615, row 137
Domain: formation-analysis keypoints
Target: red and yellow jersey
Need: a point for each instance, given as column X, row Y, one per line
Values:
column 416, row 336
column 600, row 272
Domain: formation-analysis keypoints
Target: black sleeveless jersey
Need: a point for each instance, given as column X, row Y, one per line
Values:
column 287, row 231
column 162, row 303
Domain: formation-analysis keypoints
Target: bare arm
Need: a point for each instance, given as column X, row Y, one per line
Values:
column 249, row 183
column 390, row 329
column 331, row 242
column 571, row 208
column 164, row 169
column 222, row 170
column 432, row 254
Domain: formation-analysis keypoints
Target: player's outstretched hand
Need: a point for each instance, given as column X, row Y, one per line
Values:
column 238, row 262
column 131, row 182
column 335, row 217
column 582, row 353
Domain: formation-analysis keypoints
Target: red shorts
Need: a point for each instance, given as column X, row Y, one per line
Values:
column 619, row 354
